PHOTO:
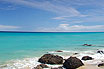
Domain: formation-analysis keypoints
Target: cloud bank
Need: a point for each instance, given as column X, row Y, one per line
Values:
column 73, row 28
column 8, row 27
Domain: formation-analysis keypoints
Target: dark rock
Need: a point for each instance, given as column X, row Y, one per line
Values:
column 54, row 68
column 101, row 64
column 87, row 58
column 72, row 63
column 101, row 52
column 75, row 53
column 59, row 51
column 38, row 67
column 41, row 66
column 87, row 45
column 51, row 59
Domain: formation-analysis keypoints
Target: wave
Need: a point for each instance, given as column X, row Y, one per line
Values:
column 29, row 63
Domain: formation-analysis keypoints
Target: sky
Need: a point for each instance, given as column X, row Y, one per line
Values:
column 52, row 15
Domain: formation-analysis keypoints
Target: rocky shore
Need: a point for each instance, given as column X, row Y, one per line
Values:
column 71, row 62
column 76, row 60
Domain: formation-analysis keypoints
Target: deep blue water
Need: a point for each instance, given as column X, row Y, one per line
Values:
column 22, row 45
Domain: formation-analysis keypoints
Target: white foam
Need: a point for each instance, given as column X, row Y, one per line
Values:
column 63, row 51
column 22, row 64
column 33, row 62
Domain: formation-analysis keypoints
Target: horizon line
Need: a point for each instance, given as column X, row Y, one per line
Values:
column 46, row 32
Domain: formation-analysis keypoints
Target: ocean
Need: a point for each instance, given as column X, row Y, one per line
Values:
column 18, row 46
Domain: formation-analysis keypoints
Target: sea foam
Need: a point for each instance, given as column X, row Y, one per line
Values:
column 29, row 63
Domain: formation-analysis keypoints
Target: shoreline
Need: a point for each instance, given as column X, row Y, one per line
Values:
column 29, row 63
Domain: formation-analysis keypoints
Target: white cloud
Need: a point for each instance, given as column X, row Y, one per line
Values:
column 68, row 17
column 73, row 28
column 48, row 6
column 7, row 27
column 73, row 21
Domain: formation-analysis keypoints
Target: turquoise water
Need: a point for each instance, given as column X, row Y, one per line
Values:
column 23, row 45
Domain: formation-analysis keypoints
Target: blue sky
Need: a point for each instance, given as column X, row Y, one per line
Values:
column 52, row 15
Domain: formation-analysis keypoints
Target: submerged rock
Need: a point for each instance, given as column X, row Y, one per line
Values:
column 87, row 45
column 59, row 51
column 101, row 64
column 72, row 63
column 87, row 58
column 51, row 59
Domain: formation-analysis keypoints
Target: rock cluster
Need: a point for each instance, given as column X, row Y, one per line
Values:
column 100, row 51
column 70, row 63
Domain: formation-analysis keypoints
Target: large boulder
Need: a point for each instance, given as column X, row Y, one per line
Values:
column 72, row 63
column 87, row 58
column 51, row 59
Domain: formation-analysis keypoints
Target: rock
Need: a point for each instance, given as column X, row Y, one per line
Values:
column 87, row 58
column 72, row 63
column 87, row 45
column 51, row 59
column 101, row 52
column 101, row 64
column 41, row 66
column 38, row 67
column 59, row 51
column 75, row 53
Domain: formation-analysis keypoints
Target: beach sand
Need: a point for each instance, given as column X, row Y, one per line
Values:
column 90, row 66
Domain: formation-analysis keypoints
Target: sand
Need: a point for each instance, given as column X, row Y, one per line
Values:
column 89, row 66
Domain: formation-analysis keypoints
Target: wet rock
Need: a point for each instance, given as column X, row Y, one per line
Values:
column 87, row 45
column 101, row 64
column 72, row 63
column 38, row 67
column 59, row 51
column 51, row 59
column 41, row 66
column 87, row 58
column 101, row 52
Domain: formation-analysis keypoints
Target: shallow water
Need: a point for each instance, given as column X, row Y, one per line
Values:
column 28, row 45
